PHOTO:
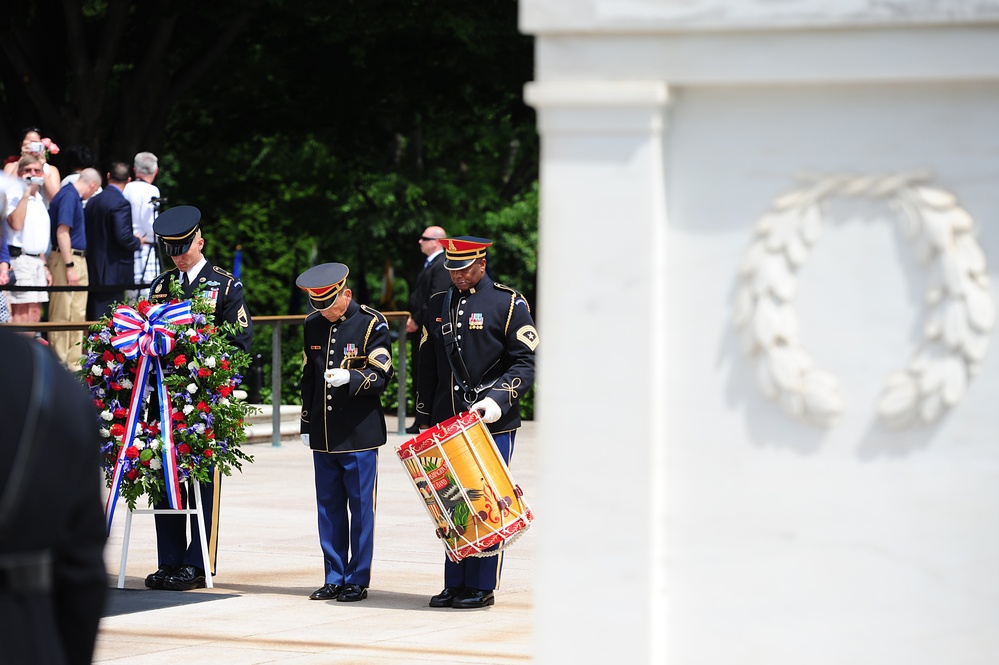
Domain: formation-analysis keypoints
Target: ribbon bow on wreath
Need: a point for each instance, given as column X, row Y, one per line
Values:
column 148, row 338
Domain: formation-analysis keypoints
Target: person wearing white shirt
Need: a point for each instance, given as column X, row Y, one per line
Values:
column 144, row 198
column 27, row 231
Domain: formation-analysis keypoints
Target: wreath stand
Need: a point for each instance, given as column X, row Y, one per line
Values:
column 194, row 490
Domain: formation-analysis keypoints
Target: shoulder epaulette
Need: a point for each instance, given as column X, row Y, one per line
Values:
column 375, row 313
column 222, row 271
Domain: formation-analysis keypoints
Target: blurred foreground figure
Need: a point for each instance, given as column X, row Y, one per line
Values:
column 52, row 577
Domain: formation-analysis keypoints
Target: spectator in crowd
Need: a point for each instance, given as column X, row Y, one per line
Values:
column 79, row 157
column 32, row 143
column 347, row 366
column 477, row 354
column 144, row 197
column 68, row 264
column 111, row 244
column 431, row 279
column 27, row 232
column 52, row 577
column 181, row 563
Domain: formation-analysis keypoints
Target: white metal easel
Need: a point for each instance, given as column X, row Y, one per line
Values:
column 193, row 490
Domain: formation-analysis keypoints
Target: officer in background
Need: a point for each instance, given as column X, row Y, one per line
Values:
column 347, row 365
column 181, row 567
column 477, row 352
column 52, row 578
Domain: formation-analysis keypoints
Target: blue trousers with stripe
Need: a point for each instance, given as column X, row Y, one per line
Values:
column 480, row 572
column 346, row 481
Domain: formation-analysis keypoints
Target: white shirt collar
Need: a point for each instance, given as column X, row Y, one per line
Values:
column 192, row 274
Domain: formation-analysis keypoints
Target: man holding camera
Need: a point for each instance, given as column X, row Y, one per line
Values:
column 27, row 232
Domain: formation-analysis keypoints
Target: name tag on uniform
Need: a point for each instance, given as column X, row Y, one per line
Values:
column 315, row 347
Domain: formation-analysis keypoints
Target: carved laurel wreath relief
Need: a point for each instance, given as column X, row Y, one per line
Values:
column 960, row 316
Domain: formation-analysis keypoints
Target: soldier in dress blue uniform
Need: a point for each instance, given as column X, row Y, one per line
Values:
column 476, row 352
column 181, row 567
column 347, row 365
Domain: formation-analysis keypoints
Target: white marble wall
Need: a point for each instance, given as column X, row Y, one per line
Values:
column 683, row 517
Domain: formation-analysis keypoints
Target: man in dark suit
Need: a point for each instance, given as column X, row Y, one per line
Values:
column 181, row 565
column 347, row 366
column 431, row 279
column 52, row 577
column 111, row 244
column 477, row 353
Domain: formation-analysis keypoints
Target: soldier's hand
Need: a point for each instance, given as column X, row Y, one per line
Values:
column 337, row 377
column 489, row 409
column 305, row 440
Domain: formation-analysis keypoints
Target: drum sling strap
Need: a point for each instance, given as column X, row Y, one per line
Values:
column 23, row 573
column 449, row 332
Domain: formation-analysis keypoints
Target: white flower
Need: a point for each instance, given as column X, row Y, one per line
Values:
column 107, row 415
column 200, row 428
column 105, row 432
column 224, row 401
column 193, row 365
column 192, row 333
column 188, row 408
column 126, row 384
column 210, row 362
column 96, row 370
column 154, row 444
column 155, row 464
column 192, row 388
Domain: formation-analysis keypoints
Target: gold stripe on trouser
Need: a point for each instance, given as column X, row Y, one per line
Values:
column 67, row 306
column 213, row 534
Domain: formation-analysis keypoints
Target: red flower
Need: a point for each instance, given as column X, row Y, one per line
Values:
column 183, row 449
column 115, row 385
column 208, row 452
column 117, row 429
column 144, row 462
column 210, row 434
column 108, row 356
column 203, row 372
column 120, row 357
column 179, row 360
column 89, row 380
column 154, row 429
column 225, row 391
column 120, row 412
column 132, row 475
column 107, row 372
column 204, row 407
column 143, row 306
column 99, row 403
column 178, row 416
column 131, row 452
column 225, row 364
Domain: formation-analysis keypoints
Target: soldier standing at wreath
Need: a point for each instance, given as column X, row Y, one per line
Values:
column 181, row 565
column 347, row 365
column 476, row 353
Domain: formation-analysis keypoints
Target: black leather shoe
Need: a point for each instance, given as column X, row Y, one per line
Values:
column 156, row 580
column 326, row 592
column 445, row 597
column 185, row 578
column 351, row 593
column 471, row 599
column 413, row 429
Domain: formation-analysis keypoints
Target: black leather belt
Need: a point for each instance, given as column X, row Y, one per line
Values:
column 78, row 252
column 16, row 251
column 26, row 572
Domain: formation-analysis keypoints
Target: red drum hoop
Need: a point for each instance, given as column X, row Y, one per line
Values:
column 466, row 487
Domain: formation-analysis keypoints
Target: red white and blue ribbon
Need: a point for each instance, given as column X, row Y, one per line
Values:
column 148, row 338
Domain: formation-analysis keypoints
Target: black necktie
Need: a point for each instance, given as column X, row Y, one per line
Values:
column 426, row 264
column 185, row 284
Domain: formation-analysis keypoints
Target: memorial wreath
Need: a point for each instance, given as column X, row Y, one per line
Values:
column 162, row 377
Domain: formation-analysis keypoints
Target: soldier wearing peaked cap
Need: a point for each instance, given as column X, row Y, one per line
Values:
column 181, row 567
column 476, row 353
column 347, row 365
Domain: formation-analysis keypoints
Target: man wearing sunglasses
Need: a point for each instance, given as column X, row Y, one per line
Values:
column 432, row 278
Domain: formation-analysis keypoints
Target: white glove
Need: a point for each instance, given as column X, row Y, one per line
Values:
column 305, row 440
column 337, row 377
column 489, row 408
